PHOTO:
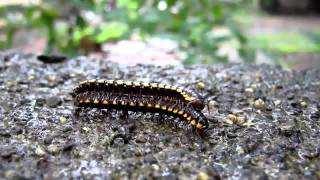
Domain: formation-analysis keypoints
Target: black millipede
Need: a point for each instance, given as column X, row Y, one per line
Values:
column 153, row 104
column 190, row 97
column 137, row 96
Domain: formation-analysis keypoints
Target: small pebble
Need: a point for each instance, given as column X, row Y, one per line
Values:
column 40, row 152
column 303, row 104
column 86, row 129
column 155, row 167
column 277, row 102
column 212, row 104
column 249, row 90
column 30, row 78
column 10, row 174
column 68, row 146
column 241, row 119
column 53, row 101
column 259, row 104
column 52, row 78
column 4, row 133
column 53, row 149
column 141, row 139
column 48, row 140
column 63, row 120
column 200, row 86
column 202, row 176
column 150, row 159
column 231, row 119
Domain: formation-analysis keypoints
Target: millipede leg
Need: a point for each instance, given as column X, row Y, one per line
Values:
column 124, row 115
column 76, row 112
column 161, row 118
column 105, row 112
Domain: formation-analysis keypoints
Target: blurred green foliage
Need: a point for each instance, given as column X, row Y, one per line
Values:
column 190, row 22
column 288, row 42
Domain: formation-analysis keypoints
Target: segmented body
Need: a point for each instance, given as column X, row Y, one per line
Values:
column 137, row 96
column 188, row 96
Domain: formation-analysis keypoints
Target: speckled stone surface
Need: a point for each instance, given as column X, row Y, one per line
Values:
column 264, row 123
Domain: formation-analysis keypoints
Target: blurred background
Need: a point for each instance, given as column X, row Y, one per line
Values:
column 285, row 32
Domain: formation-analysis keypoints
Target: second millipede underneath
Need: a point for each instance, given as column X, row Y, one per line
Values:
column 138, row 96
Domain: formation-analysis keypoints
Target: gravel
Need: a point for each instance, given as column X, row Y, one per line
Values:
column 264, row 124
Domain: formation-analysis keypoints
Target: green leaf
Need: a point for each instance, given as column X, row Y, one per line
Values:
column 111, row 31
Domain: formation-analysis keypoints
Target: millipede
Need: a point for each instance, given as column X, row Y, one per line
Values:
column 144, row 97
column 190, row 97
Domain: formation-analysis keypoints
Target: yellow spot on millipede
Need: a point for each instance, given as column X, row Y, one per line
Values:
column 141, row 104
column 189, row 118
column 96, row 101
column 167, row 87
column 185, row 115
column 163, row 107
column 110, row 81
column 119, row 82
column 154, row 85
column 145, row 84
column 180, row 112
column 101, row 81
column 132, row 104
column 175, row 111
column 199, row 126
column 114, row 102
column 193, row 122
column 174, row 88
column 170, row 109
column 92, row 81
column 157, row 106
column 87, row 101
column 105, row 102
column 82, row 82
column 149, row 105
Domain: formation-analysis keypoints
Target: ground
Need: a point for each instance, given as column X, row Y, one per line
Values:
column 264, row 123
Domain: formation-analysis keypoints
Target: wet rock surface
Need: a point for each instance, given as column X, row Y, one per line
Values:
column 264, row 123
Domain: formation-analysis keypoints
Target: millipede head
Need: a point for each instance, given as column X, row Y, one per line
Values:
column 197, row 104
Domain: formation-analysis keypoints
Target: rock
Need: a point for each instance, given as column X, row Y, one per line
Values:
column 231, row 119
column 7, row 152
column 67, row 128
column 274, row 116
column 202, row 176
column 53, row 149
column 277, row 102
column 141, row 139
column 303, row 104
column 40, row 101
column 150, row 159
column 63, row 120
column 40, row 151
column 5, row 133
column 200, row 86
column 68, row 146
column 48, row 140
column 259, row 104
column 53, row 101
column 118, row 142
